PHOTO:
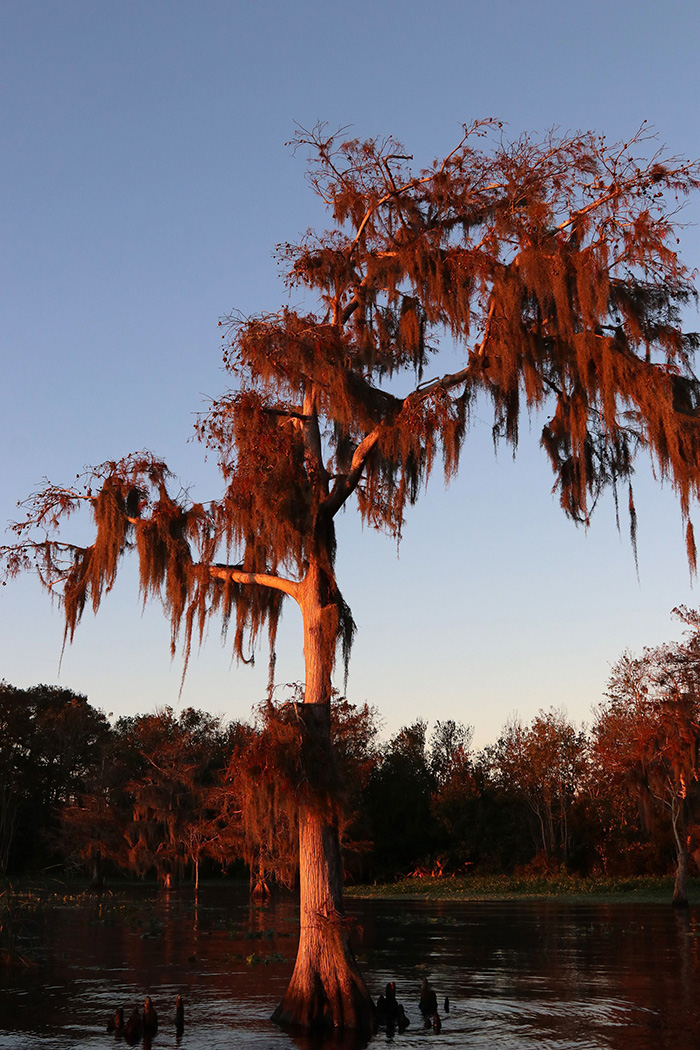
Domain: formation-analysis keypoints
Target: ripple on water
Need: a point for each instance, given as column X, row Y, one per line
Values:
column 519, row 976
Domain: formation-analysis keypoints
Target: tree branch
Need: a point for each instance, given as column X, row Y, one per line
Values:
column 346, row 484
column 413, row 183
column 263, row 579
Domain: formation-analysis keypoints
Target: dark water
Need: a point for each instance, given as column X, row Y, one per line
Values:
column 518, row 975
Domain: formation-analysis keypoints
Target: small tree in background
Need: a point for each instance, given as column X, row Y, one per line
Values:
column 647, row 736
column 94, row 821
column 50, row 741
column 454, row 791
column 398, row 800
column 169, row 787
column 550, row 266
column 545, row 764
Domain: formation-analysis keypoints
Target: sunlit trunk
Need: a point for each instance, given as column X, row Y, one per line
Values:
column 326, row 988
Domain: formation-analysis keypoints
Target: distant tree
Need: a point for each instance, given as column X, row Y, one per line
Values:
column 551, row 266
column 455, row 788
column 171, row 772
column 398, row 800
column 647, row 736
column 49, row 740
column 15, row 766
column 607, row 826
column 93, row 822
column 354, row 732
column 492, row 824
column 545, row 764
column 449, row 748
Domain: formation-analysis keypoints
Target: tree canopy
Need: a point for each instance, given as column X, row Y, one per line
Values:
column 550, row 264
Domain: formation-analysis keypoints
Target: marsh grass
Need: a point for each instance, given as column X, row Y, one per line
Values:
column 641, row 888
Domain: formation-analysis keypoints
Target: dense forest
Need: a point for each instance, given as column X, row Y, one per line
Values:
column 176, row 796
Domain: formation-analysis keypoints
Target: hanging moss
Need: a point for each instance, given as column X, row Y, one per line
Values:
column 552, row 265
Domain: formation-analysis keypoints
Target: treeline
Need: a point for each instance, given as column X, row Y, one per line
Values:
column 173, row 796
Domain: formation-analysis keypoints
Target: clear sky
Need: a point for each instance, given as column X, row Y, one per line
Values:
column 144, row 182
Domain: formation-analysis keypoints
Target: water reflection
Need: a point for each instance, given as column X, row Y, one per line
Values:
column 518, row 975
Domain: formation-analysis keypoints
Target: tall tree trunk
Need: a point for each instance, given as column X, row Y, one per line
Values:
column 326, row 988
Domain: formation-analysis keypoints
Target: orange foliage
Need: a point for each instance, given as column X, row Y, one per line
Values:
column 552, row 266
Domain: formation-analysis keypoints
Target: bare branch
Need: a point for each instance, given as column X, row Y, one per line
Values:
column 260, row 579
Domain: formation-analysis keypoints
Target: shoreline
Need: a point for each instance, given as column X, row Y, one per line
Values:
column 642, row 889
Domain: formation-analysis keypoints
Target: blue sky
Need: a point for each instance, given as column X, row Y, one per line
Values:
column 145, row 181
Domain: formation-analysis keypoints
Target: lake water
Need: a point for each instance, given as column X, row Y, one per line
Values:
column 518, row 975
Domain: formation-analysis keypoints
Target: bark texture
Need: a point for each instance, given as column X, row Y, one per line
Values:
column 327, row 989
